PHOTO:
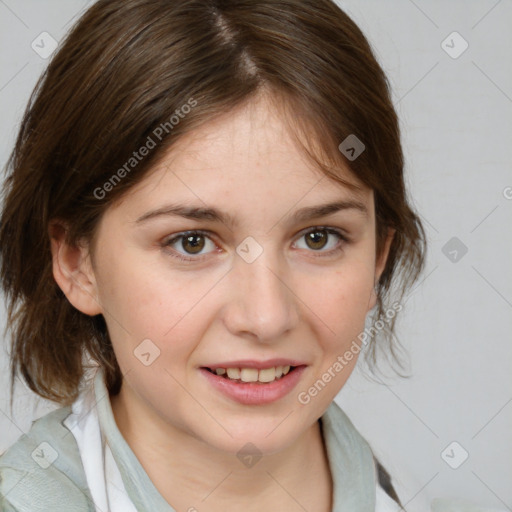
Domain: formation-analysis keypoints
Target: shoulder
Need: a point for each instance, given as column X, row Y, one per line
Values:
column 337, row 422
column 43, row 469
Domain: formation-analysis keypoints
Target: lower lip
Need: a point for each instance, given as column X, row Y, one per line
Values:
column 253, row 393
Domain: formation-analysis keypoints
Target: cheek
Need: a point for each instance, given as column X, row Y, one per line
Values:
column 341, row 301
column 142, row 301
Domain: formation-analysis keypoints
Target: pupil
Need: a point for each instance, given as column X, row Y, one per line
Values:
column 192, row 240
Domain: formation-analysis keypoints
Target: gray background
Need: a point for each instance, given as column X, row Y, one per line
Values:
column 456, row 118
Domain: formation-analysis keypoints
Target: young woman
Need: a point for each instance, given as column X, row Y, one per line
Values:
column 205, row 202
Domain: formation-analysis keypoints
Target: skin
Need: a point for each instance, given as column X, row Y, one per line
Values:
column 292, row 301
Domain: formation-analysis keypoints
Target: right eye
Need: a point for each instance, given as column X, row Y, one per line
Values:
column 191, row 242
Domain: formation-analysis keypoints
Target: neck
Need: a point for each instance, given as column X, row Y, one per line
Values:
column 187, row 471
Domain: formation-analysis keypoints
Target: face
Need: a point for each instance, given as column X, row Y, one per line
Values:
column 218, row 259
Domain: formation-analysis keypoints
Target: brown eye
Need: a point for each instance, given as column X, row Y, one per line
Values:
column 322, row 240
column 193, row 243
column 316, row 239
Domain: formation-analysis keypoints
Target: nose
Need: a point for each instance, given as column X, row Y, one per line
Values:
column 263, row 304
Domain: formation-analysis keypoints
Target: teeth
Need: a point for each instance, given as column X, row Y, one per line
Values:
column 267, row 375
column 253, row 374
column 233, row 373
column 249, row 375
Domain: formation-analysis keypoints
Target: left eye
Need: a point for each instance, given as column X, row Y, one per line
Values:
column 318, row 239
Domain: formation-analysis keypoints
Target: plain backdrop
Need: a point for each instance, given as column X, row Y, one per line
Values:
column 455, row 105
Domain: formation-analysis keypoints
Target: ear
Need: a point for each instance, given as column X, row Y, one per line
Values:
column 380, row 265
column 72, row 269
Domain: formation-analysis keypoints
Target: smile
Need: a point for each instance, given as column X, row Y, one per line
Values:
column 252, row 386
column 263, row 375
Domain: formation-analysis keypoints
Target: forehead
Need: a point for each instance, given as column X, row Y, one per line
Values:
column 248, row 156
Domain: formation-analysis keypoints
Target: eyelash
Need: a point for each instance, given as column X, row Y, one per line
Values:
column 321, row 254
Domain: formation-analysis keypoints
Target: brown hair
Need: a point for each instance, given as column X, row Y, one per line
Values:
column 122, row 72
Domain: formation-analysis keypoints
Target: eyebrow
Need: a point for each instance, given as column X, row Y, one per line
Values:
column 215, row 215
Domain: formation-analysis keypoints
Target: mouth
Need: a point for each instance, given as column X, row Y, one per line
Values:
column 252, row 375
column 253, row 386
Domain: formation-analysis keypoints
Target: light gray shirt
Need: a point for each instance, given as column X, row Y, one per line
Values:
column 45, row 469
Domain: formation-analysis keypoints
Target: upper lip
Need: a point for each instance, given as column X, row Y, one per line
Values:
column 252, row 363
